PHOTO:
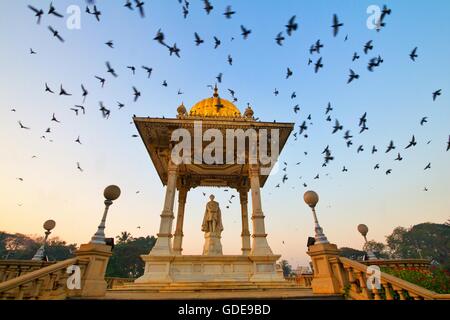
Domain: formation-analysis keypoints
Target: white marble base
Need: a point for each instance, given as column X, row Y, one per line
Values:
column 202, row 268
column 212, row 246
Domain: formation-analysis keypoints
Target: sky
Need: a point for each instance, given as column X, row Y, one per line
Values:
column 395, row 96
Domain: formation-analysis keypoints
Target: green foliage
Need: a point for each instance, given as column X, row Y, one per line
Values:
column 126, row 260
column 23, row 247
column 287, row 268
column 380, row 250
column 351, row 253
column 437, row 279
column 422, row 241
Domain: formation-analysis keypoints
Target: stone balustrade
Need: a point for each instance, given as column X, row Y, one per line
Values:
column 356, row 287
column 10, row 269
column 400, row 264
column 117, row 282
column 47, row 283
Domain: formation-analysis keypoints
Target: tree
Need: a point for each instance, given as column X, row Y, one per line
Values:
column 124, row 237
column 22, row 247
column 126, row 261
column 287, row 268
column 380, row 250
column 351, row 253
column 425, row 241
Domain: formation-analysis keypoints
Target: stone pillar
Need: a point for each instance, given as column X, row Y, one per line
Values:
column 93, row 282
column 178, row 239
column 260, row 247
column 328, row 276
column 163, row 245
column 243, row 194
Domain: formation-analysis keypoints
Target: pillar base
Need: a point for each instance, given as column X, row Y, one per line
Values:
column 94, row 284
column 212, row 246
column 327, row 274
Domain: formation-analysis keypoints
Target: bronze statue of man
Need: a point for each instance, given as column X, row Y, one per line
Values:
column 212, row 221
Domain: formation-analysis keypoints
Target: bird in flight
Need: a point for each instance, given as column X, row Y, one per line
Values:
column 22, row 126
column 413, row 55
column 411, row 143
column 423, row 121
column 291, row 26
column 318, row 65
column 52, row 10
column 228, row 12
column 38, row 13
column 245, row 32
column 230, row 60
column 105, row 112
column 390, row 146
column 110, row 69
column 279, row 39
column 352, row 76
column 132, row 68
column 102, row 80
column 63, row 92
column 288, row 73
column 160, row 37
column 140, row 6
column 78, row 140
column 436, row 94
column 399, row 157
column 110, row 44
column 47, row 88
column 448, row 143
column 174, row 50
column 337, row 126
column 355, row 56
column 208, row 7
column 148, row 70
column 336, row 25
column 428, row 166
column 128, row 5
column 55, row 33
column 85, row 93
column 388, row 171
column 54, row 119
column 136, row 94
column 198, row 40
column 216, row 42
column 276, row 92
column 79, row 167
column 368, row 46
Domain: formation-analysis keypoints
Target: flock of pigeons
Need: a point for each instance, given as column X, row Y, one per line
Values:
column 280, row 38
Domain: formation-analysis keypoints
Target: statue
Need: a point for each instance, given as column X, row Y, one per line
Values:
column 212, row 226
column 212, row 221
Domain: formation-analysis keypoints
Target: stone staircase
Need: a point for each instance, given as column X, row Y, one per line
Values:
column 211, row 290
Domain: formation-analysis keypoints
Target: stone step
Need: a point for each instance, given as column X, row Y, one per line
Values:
column 149, row 294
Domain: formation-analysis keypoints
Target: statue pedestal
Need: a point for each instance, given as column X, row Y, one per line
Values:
column 212, row 246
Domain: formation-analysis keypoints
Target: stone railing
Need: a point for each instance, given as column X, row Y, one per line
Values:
column 10, row 269
column 400, row 264
column 304, row 280
column 50, row 282
column 390, row 288
column 47, row 283
column 117, row 282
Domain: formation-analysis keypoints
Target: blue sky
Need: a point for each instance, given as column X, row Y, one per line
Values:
column 395, row 96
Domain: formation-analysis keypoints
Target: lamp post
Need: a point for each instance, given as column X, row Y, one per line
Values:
column 363, row 229
column 311, row 198
column 40, row 253
column 111, row 193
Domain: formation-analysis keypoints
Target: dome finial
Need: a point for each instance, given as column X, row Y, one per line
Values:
column 216, row 91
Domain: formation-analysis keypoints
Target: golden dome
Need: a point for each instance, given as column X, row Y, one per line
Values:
column 215, row 107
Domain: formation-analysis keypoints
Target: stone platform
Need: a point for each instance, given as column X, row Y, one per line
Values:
column 172, row 269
